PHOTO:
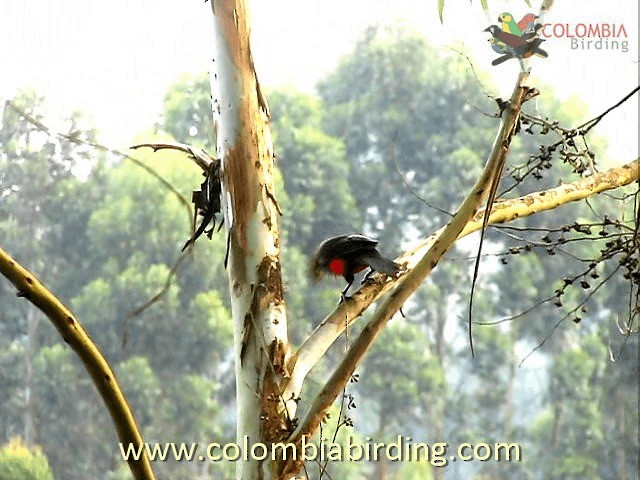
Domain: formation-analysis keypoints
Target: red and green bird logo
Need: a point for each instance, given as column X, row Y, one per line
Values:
column 515, row 39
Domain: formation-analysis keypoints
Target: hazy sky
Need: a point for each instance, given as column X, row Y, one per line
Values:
column 115, row 60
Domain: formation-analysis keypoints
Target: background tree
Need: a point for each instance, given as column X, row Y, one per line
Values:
column 19, row 462
column 337, row 155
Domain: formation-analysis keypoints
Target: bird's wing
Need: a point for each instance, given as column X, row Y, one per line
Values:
column 381, row 264
column 540, row 52
column 355, row 242
column 510, row 39
column 531, row 32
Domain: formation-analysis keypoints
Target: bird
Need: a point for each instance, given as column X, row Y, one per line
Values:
column 509, row 25
column 525, row 51
column 533, row 48
column 528, row 23
column 347, row 255
column 509, row 39
column 532, row 32
column 498, row 46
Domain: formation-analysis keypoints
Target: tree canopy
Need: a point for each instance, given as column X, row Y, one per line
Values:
column 392, row 137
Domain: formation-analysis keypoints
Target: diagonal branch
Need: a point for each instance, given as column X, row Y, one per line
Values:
column 198, row 155
column 334, row 324
column 96, row 365
column 407, row 283
column 504, row 211
column 73, row 138
column 435, row 245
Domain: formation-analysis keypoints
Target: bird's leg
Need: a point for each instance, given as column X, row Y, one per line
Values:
column 343, row 294
column 367, row 276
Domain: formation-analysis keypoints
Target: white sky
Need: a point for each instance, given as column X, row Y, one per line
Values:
column 115, row 60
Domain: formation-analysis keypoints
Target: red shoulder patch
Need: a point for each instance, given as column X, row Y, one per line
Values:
column 337, row 266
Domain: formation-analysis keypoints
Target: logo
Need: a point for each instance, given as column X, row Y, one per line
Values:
column 589, row 36
column 513, row 39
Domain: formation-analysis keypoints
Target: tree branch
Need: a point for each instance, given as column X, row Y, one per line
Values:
column 503, row 211
column 198, row 155
column 73, row 138
column 96, row 365
column 409, row 281
column 435, row 246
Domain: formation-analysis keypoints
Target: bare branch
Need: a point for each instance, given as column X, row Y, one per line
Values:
column 505, row 211
column 392, row 153
column 165, row 288
column 94, row 362
column 409, row 281
column 74, row 139
column 580, row 158
column 198, row 155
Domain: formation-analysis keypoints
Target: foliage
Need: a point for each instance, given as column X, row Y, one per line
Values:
column 187, row 112
column 402, row 109
column 105, row 235
column 19, row 462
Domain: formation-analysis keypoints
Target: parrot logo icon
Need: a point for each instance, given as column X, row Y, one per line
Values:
column 513, row 39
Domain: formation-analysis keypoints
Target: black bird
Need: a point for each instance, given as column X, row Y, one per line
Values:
column 514, row 46
column 509, row 39
column 347, row 255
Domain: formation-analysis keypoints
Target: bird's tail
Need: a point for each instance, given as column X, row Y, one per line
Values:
column 382, row 264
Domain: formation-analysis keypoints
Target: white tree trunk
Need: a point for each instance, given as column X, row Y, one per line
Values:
column 251, row 215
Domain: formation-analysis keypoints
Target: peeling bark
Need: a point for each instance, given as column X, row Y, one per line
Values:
column 268, row 378
column 251, row 216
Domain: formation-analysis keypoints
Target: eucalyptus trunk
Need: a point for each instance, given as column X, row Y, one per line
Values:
column 251, row 213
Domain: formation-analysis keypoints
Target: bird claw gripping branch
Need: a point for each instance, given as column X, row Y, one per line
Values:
column 207, row 203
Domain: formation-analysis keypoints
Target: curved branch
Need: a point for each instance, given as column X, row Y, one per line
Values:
column 408, row 282
column 503, row 211
column 436, row 246
column 96, row 365
column 198, row 155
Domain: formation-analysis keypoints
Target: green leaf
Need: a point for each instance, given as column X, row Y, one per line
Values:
column 528, row 3
column 485, row 5
column 440, row 9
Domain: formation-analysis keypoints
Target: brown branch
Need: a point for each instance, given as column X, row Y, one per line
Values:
column 408, row 283
column 156, row 298
column 73, row 138
column 502, row 212
column 96, row 365
column 198, row 155
column 204, row 161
